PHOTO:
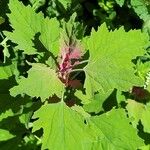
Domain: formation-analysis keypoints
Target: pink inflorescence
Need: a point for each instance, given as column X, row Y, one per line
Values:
column 69, row 57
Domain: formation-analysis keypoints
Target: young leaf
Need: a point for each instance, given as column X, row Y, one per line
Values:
column 110, row 63
column 115, row 132
column 120, row 2
column 41, row 82
column 65, row 3
column 6, row 71
column 5, row 135
column 63, row 128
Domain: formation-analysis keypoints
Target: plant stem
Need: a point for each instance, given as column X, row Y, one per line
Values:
column 1, row 35
column 81, row 62
column 62, row 96
column 76, row 70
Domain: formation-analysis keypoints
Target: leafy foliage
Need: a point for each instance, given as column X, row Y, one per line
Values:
column 70, row 81
column 141, row 8
column 69, row 126
column 108, row 138
column 112, row 72
column 36, row 88
column 29, row 25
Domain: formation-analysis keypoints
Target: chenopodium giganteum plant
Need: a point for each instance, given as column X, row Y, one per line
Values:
column 72, row 77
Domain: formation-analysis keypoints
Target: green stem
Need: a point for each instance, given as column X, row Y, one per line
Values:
column 82, row 62
column 62, row 96
column 1, row 35
column 76, row 70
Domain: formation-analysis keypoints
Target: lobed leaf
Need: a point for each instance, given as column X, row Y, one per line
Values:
column 41, row 82
column 26, row 24
column 114, row 131
column 63, row 128
column 110, row 64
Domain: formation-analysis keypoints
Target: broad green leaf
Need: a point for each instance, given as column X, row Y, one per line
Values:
column 41, row 82
column 50, row 35
column 5, row 135
column 26, row 24
column 81, row 111
column 145, row 119
column 115, row 132
column 135, row 110
column 92, row 103
column 145, row 147
column 120, row 2
column 97, row 101
column 141, row 8
column 110, row 64
column 6, row 71
column 139, row 112
column 65, row 3
column 63, row 128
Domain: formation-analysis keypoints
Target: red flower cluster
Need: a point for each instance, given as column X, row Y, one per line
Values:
column 69, row 58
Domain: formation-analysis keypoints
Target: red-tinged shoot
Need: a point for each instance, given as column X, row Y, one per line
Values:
column 69, row 58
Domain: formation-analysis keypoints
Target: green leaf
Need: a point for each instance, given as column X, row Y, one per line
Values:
column 36, row 4
column 114, row 131
column 92, row 103
column 110, row 64
column 6, row 71
column 2, row 20
column 26, row 23
column 145, row 147
column 65, row 3
column 63, row 128
column 97, row 101
column 120, row 2
column 5, row 135
column 145, row 119
column 50, row 35
column 41, row 82
column 135, row 110
column 6, row 114
column 141, row 8
column 138, row 111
